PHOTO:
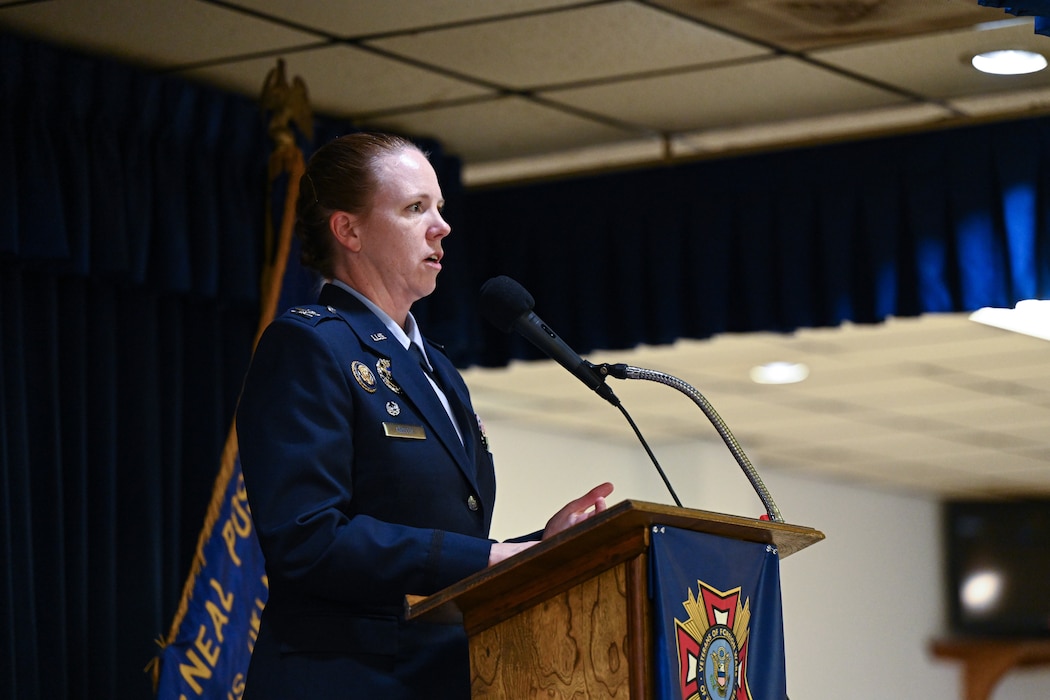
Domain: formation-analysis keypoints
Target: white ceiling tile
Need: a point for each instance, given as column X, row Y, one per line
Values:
column 1015, row 434
column 817, row 429
column 997, row 414
column 939, row 65
column 510, row 126
column 1039, row 454
column 748, row 93
column 355, row 18
column 841, row 124
column 994, row 463
column 797, row 25
column 577, row 159
column 825, row 457
column 1026, row 355
column 159, row 33
column 1019, row 102
column 586, row 43
column 344, row 81
column 910, row 395
column 913, row 476
column 1031, row 483
column 1031, row 368
column 911, row 446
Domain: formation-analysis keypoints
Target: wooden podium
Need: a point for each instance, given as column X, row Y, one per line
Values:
column 570, row 617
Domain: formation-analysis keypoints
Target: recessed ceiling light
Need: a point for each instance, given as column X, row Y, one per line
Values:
column 1029, row 316
column 1009, row 62
column 779, row 373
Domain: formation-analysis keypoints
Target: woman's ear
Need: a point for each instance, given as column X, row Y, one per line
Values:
column 343, row 226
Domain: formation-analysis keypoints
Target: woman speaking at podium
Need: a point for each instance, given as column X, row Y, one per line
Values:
column 368, row 473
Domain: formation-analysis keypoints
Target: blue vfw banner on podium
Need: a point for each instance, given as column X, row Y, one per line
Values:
column 719, row 631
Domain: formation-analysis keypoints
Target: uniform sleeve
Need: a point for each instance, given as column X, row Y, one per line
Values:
column 295, row 435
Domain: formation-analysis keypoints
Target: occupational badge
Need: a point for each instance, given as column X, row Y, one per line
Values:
column 364, row 376
column 383, row 370
column 392, row 408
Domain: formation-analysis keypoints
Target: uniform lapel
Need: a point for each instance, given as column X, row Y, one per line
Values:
column 406, row 374
column 457, row 400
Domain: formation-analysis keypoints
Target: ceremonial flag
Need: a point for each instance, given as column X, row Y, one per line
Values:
column 719, row 632
column 206, row 652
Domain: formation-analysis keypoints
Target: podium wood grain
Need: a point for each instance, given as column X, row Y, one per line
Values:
column 573, row 645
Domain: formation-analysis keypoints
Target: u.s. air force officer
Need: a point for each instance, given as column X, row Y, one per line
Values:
column 368, row 474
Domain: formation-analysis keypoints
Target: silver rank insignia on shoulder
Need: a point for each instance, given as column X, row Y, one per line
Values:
column 383, row 369
column 392, row 408
column 378, row 336
column 305, row 313
column 364, row 376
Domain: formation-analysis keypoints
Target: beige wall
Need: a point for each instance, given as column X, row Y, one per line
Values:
column 860, row 608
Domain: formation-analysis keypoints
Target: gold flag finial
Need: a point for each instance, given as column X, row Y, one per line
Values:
column 287, row 104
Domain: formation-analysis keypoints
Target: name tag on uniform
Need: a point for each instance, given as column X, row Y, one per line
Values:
column 408, row 432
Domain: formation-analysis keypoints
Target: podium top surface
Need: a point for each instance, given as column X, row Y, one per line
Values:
column 613, row 535
column 628, row 514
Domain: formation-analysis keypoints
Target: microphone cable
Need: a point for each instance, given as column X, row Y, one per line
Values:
column 648, row 451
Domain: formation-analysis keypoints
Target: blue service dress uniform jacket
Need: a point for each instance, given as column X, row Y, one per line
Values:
column 361, row 492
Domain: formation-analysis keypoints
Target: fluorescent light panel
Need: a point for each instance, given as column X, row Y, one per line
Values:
column 1030, row 317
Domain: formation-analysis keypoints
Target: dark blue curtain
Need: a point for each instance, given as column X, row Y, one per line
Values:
column 131, row 218
column 131, row 243
column 948, row 221
column 129, row 260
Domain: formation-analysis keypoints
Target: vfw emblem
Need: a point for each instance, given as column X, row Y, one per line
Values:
column 712, row 645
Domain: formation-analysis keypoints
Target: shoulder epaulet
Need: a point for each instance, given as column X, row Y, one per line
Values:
column 311, row 315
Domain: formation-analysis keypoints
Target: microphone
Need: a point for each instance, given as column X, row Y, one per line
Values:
column 508, row 306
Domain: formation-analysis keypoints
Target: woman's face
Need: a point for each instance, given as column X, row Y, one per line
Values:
column 401, row 234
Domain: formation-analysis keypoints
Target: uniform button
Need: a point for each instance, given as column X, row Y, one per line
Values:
column 472, row 502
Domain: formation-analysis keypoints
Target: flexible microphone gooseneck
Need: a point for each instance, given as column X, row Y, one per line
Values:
column 622, row 371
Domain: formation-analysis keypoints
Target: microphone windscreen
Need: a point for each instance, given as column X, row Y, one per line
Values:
column 503, row 301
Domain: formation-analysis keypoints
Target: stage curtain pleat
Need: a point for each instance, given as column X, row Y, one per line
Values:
column 926, row 223
column 130, row 235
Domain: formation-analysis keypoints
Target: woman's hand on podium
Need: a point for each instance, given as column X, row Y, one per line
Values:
column 579, row 510
column 572, row 513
